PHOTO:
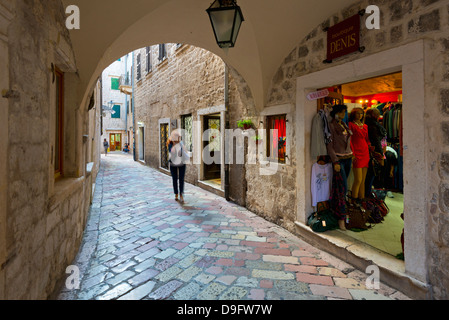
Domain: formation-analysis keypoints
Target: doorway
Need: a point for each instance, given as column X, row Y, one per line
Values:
column 164, row 136
column 141, row 143
column 115, row 141
column 212, row 147
column 408, row 59
column 382, row 95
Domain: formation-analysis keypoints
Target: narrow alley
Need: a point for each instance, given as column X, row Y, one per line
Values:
column 140, row 244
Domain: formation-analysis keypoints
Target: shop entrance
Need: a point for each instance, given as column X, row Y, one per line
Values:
column 383, row 95
column 212, row 143
column 408, row 59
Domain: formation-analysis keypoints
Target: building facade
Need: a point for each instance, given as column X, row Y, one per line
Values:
column 117, row 102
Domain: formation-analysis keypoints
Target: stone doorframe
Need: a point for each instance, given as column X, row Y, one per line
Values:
column 6, row 16
column 141, row 142
column 198, row 136
column 409, row 59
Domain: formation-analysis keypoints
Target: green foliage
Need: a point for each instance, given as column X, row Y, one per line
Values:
column 245, row 124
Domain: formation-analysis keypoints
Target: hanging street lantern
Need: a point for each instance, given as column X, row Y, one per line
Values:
column 226, row 18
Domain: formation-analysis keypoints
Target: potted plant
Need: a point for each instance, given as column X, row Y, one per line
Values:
column 245, row 124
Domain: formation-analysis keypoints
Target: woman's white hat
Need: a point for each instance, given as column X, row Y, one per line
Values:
column 175, row 135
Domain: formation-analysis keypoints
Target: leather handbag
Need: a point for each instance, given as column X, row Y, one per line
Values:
column 323, row 221
column 357, row 218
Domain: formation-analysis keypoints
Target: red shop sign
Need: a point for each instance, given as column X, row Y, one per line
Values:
column 318, row 95
column 343, row 38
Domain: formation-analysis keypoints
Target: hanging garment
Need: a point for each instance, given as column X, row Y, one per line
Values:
column 327, row 131
column 321, row 182
column 377, row 134
column 338, row 198
column 317, row 141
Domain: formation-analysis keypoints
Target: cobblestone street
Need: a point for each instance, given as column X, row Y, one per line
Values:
column 141, row 244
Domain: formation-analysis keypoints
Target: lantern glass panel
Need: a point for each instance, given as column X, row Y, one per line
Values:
column 238, row 23
column 223, row 21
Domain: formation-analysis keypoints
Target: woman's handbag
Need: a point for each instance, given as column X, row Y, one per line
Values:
column 357, row 218
column 323, row 221
column 380, row 205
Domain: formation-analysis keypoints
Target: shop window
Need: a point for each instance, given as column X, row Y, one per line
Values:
column 277, row 138
column 187, row 126
column 116, row 112
column 58, row 143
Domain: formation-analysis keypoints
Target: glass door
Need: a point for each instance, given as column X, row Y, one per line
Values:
column 164, row 148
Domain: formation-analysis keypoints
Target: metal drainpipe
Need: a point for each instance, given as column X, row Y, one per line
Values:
column 101, row 106
column 126, row 103
column 133, row 111
column 227, row 126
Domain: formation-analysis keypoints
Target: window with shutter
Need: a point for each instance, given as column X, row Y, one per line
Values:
column 116, row 112
column 139, row 68
column 148, row 59
column 115, row 83
column 162, row 52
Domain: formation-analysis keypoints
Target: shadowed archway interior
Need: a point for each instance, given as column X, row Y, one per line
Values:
column 271, row 30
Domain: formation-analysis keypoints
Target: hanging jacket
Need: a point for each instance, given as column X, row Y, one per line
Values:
column 337, row 200
column 341, row 143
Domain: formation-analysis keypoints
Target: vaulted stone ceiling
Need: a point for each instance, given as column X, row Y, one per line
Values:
column 112, row 28
column 387, row 83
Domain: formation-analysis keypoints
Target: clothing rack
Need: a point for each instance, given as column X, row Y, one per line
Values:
column 392, row 122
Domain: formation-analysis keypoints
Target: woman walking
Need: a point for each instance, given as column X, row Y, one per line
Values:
column 178, row 159
column 106, row 147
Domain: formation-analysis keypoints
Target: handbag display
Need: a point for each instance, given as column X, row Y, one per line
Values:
column 379, row 193
column 323, row 221
column 379, row 204
column 357, row 218
column 376, row 215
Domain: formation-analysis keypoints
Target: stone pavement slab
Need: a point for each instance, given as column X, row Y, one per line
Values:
column 140, row 244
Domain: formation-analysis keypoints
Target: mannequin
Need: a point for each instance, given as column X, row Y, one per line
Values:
column 339, row 149
column 360, row 145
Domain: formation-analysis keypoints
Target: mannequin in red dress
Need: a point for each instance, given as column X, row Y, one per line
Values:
column 360, row 145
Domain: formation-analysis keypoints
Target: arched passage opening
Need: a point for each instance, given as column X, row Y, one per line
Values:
column 178, row 86
column 269, row 33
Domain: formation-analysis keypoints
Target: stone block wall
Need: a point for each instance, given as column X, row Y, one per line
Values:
column 44, row 218
column 178, row 85
column 402, row 22
column 189, row 80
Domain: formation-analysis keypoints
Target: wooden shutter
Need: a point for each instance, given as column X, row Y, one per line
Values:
column 139, row 67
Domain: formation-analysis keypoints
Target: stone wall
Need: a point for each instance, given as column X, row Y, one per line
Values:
column 44, row 218
column 402, row 22
column 192, row 79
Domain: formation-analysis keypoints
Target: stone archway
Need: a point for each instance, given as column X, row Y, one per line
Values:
column 108, row 33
